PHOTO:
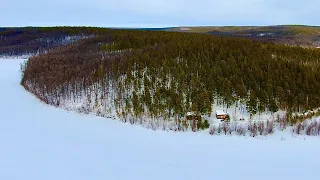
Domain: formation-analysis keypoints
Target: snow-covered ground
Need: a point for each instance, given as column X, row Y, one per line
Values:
column 40, row 142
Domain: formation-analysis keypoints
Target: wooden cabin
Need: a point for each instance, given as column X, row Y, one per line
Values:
column 221, row 114
column 192, row 116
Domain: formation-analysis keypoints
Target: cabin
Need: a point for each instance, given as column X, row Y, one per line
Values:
column 192, row 116
column 221, row 114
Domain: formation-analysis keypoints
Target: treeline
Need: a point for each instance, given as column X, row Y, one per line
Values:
column 37, row 40
column 159, row 74
column 292, row 35
column 285, row 38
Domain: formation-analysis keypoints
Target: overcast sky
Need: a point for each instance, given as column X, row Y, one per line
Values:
column 158, row 13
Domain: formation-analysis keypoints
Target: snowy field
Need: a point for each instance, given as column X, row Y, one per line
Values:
column 40, row 142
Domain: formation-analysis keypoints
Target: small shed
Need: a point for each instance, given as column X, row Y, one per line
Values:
column 192, row 116
column 220, row 114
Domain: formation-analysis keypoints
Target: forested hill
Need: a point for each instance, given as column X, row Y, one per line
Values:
column 37, row 40
column 162, row 74
column 293, row 35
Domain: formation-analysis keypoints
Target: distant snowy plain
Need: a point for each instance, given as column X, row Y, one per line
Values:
column 40, row 142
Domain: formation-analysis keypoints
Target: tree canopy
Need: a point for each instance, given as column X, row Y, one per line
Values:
column 168, row 73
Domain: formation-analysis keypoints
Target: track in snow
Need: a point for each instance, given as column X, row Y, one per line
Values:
column 40, row 142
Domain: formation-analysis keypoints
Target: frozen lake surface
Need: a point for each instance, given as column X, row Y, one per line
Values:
column 40, row 142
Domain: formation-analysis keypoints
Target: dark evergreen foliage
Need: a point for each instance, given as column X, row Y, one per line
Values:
column 37, row 40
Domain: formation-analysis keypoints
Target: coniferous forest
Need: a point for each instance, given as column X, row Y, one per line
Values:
column 163, row 75
column 38, row 40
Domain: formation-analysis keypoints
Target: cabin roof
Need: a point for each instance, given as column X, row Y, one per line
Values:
column 220, row 112
column 190, row 113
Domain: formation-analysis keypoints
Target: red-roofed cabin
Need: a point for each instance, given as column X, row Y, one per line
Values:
column 221, row 114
